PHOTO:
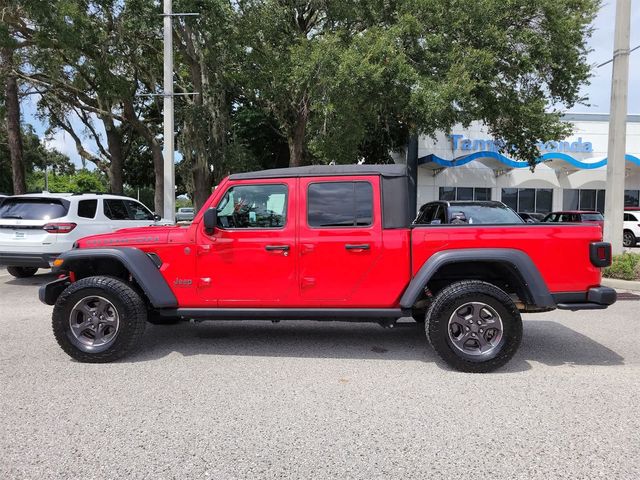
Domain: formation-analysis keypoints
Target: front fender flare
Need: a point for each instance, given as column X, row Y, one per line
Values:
column 142, row 268
column 519, row 261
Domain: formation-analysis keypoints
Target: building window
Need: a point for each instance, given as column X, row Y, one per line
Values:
column 465, row 193
column 538, row 200
column 583, row 199
column 632, row 198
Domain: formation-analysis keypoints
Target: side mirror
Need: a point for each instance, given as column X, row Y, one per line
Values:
column 156, row 217
column 210, row 220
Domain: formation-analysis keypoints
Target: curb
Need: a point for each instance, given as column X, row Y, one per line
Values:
column 621, row 284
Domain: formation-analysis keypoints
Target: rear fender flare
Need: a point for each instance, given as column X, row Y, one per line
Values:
column 517, row 260
column 142, row 268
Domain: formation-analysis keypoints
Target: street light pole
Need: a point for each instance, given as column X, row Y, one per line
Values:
column 614, row 195
column 168, row 151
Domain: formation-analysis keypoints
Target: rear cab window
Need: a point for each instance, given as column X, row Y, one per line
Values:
column 340, row 204
column 21, row 208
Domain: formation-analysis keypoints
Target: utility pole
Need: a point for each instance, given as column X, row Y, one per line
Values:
column 614, row 195
column 168, row 151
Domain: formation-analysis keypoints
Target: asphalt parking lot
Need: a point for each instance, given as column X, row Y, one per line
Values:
column 318, row 400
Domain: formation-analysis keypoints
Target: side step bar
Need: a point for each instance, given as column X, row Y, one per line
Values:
column 329, row 314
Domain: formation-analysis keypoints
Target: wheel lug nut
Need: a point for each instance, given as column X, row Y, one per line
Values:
column 481, row 330
column 466, row 328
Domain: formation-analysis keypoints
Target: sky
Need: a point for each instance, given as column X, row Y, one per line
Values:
column 598, row 92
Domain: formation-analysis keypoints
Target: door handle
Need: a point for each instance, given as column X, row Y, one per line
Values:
column 362, row 246
column 284, row 248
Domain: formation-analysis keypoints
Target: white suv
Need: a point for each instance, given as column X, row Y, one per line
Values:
column 36, row 228
column 631, row 228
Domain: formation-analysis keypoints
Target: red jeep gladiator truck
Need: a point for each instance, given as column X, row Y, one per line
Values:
column 326, row 243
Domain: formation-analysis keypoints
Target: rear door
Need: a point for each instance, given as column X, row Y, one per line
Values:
column 340, row 238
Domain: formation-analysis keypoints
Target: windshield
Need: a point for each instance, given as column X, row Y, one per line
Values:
column 592, row 217
column 33, row 208
column 494, row 213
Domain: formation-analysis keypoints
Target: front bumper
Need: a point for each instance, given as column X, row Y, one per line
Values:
column 39, row 260
column 49, row 293
column 595, row 298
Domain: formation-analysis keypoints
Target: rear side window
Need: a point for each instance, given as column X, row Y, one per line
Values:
column 340, row 204
column 34, row 208
column 87, row 208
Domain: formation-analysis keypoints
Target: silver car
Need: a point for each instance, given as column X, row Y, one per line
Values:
column 185, row 214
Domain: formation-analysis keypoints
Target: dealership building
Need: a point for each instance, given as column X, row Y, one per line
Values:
column 570, row 174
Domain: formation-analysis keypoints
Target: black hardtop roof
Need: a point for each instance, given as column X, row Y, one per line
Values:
column 392, row 170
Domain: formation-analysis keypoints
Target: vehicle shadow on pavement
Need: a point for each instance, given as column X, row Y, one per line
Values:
column 550, row 343
column 38, row 279
column 555, row 344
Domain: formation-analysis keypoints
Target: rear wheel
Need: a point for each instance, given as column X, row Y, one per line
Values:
column 98, row 319
column 22, row 272
column 474, row 326
column 628, row 239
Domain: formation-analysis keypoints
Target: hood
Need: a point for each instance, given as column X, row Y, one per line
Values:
column 134, row 237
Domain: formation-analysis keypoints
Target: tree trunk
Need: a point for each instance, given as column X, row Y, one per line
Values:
column 201, row 185
column 14, row 134
column 114, row 143
column 296, row 134
column 156, row 149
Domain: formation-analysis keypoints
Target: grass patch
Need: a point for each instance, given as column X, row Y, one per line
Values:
column 624, row 267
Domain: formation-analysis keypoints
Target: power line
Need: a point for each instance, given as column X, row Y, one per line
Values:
column 616, row 54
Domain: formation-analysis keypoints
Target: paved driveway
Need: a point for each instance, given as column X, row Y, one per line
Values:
column 318, row 400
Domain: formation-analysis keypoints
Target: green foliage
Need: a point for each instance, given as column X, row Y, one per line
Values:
column 35, row 156
column 183, row 202
column 624, row 267
column 79, row 182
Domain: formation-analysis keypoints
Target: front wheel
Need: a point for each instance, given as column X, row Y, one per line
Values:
column 98, row 319
column 22, row 272
column 474, row 326
column 628, row 239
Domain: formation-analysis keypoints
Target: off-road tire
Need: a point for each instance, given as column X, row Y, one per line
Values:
column 22, row 272
column 454, row 296
column 629, row 239
column 129, row 305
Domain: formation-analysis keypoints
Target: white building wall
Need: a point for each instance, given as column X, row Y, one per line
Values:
column 591, row 128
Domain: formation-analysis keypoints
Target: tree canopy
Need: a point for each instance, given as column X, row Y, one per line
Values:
column 290, row 82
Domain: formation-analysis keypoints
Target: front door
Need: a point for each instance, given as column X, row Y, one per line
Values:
column 339, row 240
column 250, row 259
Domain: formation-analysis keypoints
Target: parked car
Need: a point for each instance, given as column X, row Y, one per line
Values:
column 326, row 243
column 465, row 212
column 185, row 214
column 37, row 228
column 575, row 216
column 531, row 217
column 631, row 232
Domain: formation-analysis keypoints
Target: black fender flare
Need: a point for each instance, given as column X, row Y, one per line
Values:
column 142, row 268
column 517, row 260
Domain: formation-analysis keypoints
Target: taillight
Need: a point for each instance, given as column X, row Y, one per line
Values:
column 59, row 227
column 600, row 254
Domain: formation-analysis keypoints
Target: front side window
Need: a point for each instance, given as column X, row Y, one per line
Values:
column 340, row 204
column 137, row 211
column 253, row 206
